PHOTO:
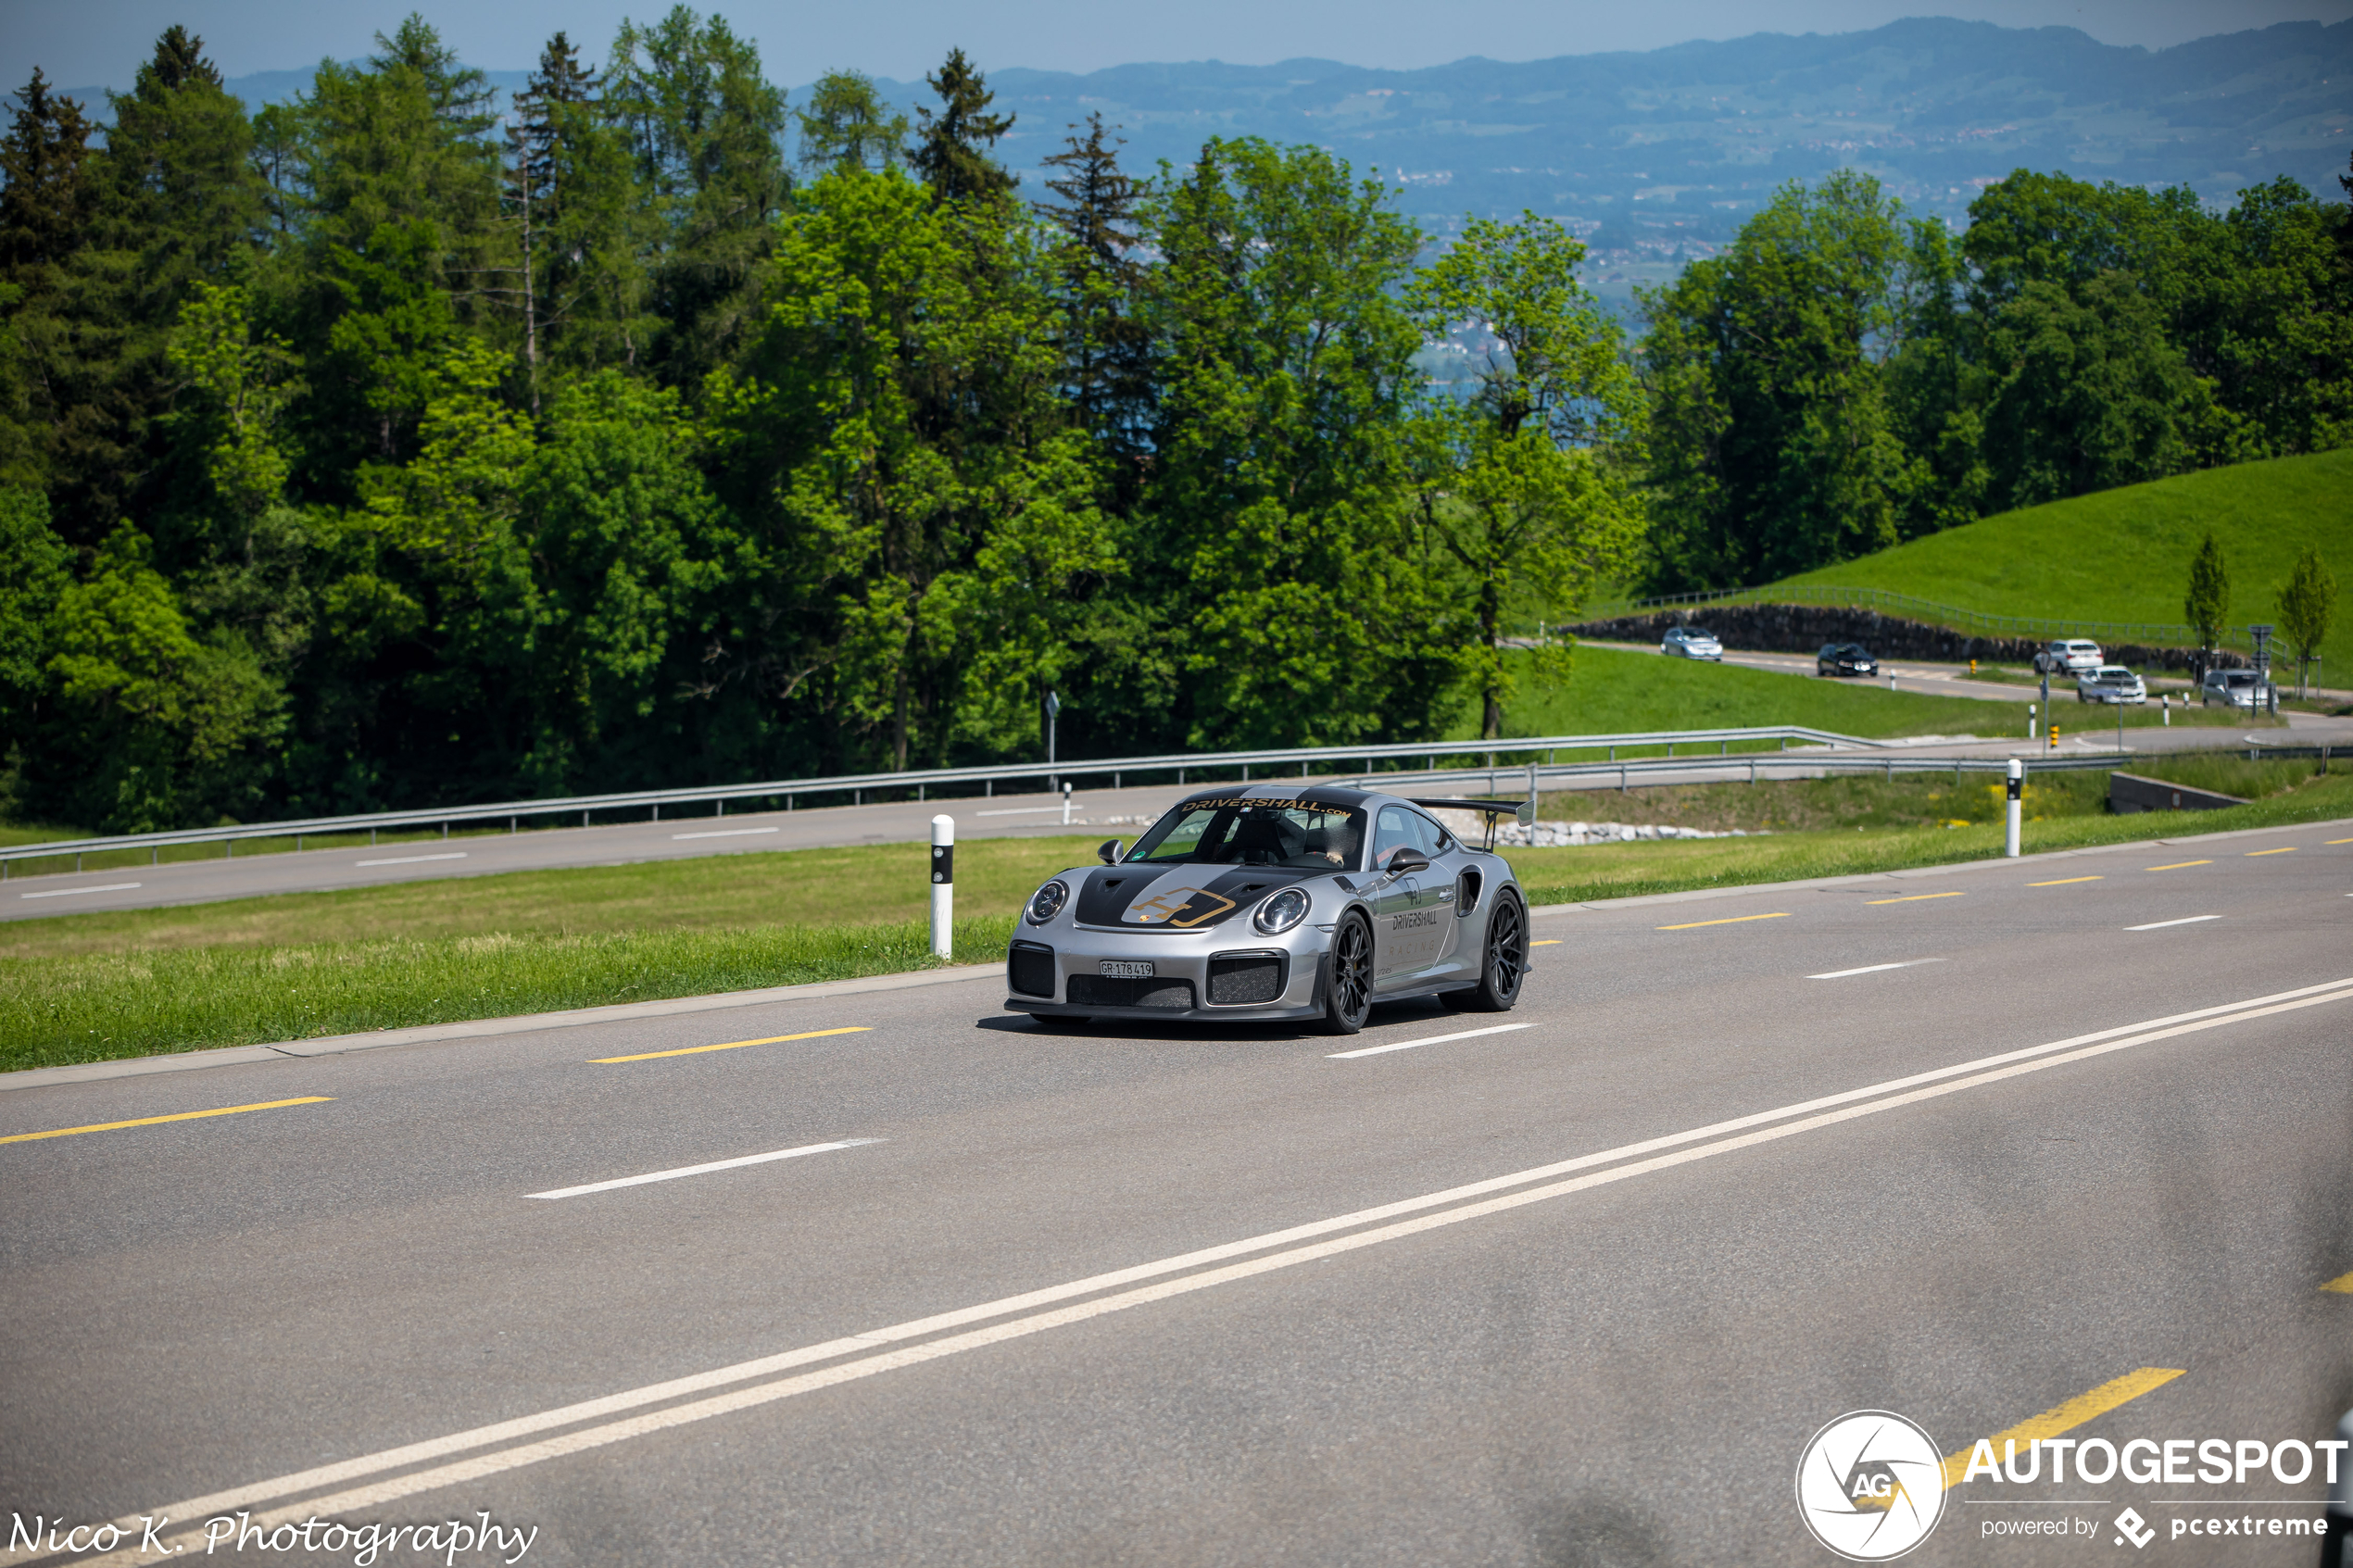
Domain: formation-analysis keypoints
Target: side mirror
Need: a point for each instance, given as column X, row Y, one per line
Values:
column 1407, row 859
column 1108, row 852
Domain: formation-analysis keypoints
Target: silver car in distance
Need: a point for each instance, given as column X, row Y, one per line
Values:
column 1689, row 642
column 1267, row 902
column 2111, row 683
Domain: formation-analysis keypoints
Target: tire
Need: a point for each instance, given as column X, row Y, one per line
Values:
column 1348, row 978
column 1503, row 964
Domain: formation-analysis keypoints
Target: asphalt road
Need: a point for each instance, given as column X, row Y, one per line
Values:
column 1576, row 1292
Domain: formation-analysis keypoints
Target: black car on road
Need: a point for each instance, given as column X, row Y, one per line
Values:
column 1844, row 659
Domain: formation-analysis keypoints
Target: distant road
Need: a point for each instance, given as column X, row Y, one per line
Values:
column 1112, row 813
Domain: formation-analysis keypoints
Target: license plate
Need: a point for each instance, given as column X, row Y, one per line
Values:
column 1126, row 969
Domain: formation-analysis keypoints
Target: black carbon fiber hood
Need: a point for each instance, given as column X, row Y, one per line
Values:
column 1182, row 898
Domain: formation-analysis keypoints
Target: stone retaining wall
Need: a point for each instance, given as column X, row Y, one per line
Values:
column 1804, row 628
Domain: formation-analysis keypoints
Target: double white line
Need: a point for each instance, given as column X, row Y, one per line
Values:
column 430, row 1466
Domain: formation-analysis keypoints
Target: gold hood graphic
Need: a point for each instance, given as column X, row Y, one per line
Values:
column 1179, row 907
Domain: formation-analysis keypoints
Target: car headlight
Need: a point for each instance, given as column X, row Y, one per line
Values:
column 1280, row 913
column 1047, row 902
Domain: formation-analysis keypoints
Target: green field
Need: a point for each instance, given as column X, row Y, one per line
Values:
column 2124, row 555
column 137, row 983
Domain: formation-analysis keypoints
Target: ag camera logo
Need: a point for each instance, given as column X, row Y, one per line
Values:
column 1871, row 1486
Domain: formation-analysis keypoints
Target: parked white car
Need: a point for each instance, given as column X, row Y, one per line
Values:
column 2233, row 688
column 2069, row 656
column 2111, row 683
column 1689, row 642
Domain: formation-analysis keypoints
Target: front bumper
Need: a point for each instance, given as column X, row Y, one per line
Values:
column 1058, row 973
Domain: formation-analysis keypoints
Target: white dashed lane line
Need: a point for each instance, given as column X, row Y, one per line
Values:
column 2162, row 924
column 1432, row 1040
column 412, row 859
column 71, row 892
column 736, row 1163
column 1873, row 969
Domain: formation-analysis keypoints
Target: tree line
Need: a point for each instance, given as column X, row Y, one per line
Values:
column 396, row 446
column 1842, row 378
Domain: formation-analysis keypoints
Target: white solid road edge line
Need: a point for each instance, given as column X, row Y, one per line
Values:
column 736, row 1163
column 2162, row 924
column 1873, row 969
column 413, row 860
column 2002, row 1065
column 69, row 892
column 1432, row 1040
column 723, row 832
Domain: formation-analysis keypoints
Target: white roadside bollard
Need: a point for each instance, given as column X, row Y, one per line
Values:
column 2166, row 701
column 1065, row 803
column 943, row 885
column 2017, row 784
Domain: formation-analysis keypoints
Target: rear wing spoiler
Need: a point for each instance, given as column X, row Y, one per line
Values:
column 1520, row 811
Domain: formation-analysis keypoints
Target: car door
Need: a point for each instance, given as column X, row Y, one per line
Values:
column 1396, row 903
column 1449, row 944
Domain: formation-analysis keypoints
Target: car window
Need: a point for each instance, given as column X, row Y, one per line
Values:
column 1395, row 832
column 1429, row 838
column 1301, row 835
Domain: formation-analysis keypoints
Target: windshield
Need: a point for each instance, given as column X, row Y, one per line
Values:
column 2114, row 673
column 1694, row 635
column 2238, row 678
column 1301, row 835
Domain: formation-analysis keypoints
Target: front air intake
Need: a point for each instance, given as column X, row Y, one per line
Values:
column 1029, row 968
column 1245, row 979
column 1102, row 991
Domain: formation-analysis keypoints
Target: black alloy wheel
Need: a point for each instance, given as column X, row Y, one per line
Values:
column 1348, row 985
column 1504, row 964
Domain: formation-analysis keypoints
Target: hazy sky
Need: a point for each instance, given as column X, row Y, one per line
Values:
column 100, row 42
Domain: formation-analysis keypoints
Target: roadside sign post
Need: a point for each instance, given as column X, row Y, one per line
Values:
column 2017, row 784
column 943, row 885
column 1053, row 711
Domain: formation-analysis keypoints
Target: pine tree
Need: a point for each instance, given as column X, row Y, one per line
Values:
column 44, row 209
column 174, row 202
column 1107, row 357
column 848, row 126
column 549, row 114
column 44, row 202
column 950, row 155
column 706, row 128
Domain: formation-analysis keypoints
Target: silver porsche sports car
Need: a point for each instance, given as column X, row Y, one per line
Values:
column 1267, row 902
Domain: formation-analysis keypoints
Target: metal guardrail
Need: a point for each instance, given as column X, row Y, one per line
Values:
column 924, row 782
column 2155, row 632
column 1760, row 765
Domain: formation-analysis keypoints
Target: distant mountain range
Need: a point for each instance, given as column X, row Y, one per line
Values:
column 1663, row 153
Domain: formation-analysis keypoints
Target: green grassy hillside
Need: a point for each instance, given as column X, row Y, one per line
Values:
column 2124, row 555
